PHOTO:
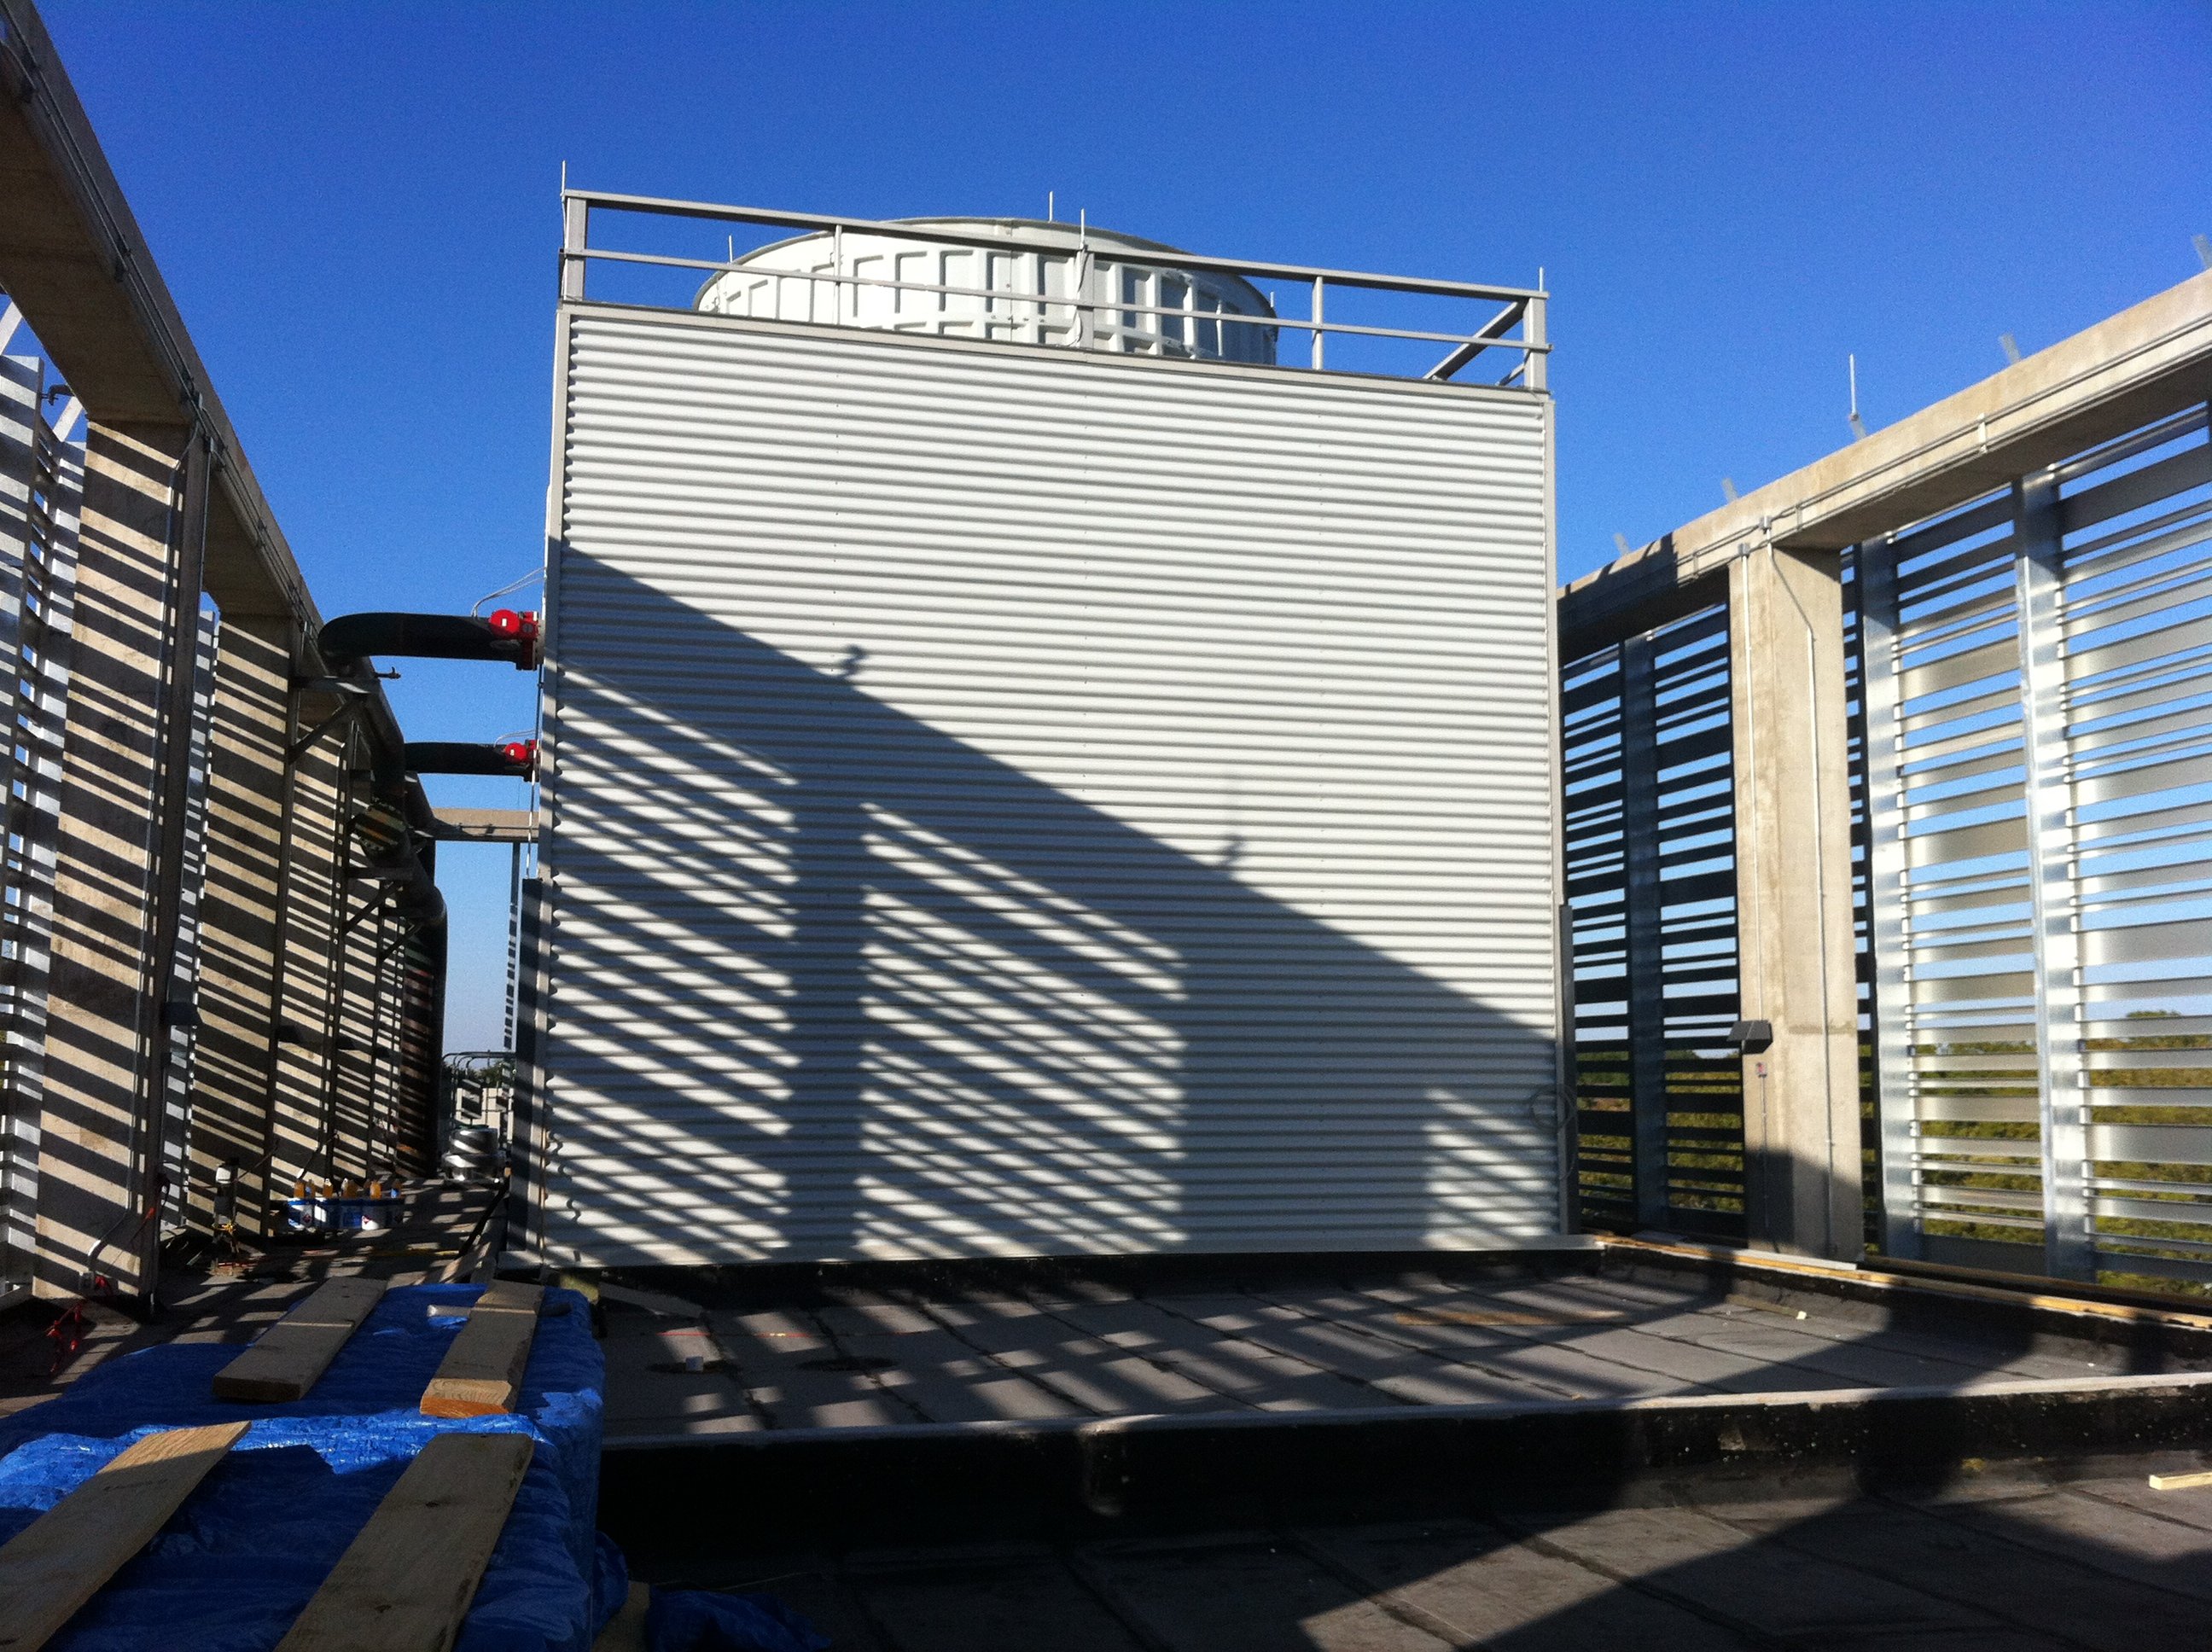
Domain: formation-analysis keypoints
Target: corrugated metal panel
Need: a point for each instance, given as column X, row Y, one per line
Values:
column 1007, row 801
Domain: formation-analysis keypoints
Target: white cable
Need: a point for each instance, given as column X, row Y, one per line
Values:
column 531, row 578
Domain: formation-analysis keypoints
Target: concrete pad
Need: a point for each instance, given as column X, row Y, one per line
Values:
column 1976, row 1565
column 2149, row 1549
column 1012, row 1604
column 1258, row 1596
column 1727, row 1576
column 1473, row 1577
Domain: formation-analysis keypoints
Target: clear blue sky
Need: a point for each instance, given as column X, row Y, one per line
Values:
column 355, row 207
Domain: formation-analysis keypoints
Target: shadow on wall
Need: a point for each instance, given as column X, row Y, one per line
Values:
column 831, row 982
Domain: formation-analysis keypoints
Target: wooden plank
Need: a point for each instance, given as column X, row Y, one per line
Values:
column 1890, row 1274
column 291, row 1354
column 405, row 1582
column 2180, row 1482
column 481, row 1372
column 63, row 1558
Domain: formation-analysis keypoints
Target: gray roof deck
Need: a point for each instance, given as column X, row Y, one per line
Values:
column 1636, row 1446
column 1076, row 1348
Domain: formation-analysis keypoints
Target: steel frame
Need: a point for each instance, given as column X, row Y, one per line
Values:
column 2069, row 1251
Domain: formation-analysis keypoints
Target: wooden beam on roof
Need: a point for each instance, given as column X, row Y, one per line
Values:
column 482, row 1373
column 292, row 1355
column 485, row 825
column 405, row 1583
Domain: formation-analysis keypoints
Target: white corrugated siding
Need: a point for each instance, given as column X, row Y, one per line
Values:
column 1007, row 801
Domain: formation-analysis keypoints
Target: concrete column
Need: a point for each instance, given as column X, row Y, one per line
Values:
column 239, row 950
column 120, row 857
column 1793, row 865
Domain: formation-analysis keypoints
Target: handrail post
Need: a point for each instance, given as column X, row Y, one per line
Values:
column 1317, row 334
column 1086, row 316
column 1532, row 330
column 575, row 231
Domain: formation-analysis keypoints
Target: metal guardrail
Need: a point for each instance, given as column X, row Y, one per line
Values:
column 1517, row 327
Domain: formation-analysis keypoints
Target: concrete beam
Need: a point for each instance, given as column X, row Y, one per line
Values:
column 485, row 826
column 2138, row 366
column 67, row 275
column 73, row 257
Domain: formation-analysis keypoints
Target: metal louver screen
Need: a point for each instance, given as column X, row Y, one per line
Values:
column 1007, row 801
column 2039, row 764
column 1650, row 821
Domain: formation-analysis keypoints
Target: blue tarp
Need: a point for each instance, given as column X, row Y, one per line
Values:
column 240, row 1559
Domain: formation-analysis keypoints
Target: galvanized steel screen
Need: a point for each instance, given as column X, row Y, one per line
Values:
column 1006, row 800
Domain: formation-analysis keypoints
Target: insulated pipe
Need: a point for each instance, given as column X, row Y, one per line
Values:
column 513, row 757
column 504, row 634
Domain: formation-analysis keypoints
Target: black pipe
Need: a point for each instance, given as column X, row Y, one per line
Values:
column 513, row 758
column 503, row 636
